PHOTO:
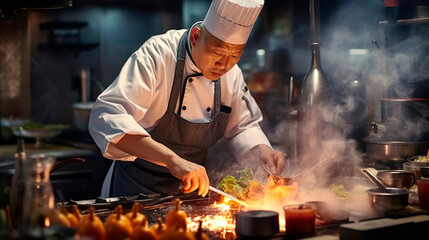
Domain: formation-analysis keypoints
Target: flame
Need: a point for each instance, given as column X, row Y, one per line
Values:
column 273, row 198
column 223, row 222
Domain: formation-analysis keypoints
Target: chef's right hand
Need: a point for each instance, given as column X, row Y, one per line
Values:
column 192, row 175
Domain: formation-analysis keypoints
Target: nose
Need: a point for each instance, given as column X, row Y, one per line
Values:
column 223, row 62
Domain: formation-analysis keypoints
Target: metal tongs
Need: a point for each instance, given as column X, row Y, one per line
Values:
column 228, row 196
column 278, row 180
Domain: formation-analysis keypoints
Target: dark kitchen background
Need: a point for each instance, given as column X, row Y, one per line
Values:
column 46, row 55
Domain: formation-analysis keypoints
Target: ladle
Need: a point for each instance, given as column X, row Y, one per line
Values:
column 375, row 180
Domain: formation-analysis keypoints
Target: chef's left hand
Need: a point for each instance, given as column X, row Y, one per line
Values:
column 274, row 159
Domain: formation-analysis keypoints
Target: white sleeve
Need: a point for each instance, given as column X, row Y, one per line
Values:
column 123, row 104
column 243, row 130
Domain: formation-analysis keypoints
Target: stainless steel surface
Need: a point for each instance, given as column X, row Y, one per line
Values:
column 375, row 180
column 257, row 223
column 396, row 178
column 393, row 150
column 316, row 84
column 382, row 202
column 315, row 94
column 228, row 196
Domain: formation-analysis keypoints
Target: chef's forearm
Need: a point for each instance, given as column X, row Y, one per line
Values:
column 145, row 147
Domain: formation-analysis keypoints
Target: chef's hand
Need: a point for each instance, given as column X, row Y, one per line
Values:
column 274, row 159
column 192, row 175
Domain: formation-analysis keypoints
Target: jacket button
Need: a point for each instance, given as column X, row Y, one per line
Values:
column 190, row 79
column 183, row 107
column 208, row 109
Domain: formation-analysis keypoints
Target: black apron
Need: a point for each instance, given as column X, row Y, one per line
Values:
column 187, row 139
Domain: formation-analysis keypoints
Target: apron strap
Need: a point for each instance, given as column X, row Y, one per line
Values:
column 178, row 73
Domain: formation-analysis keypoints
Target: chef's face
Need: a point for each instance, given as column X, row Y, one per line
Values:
column 212, row 56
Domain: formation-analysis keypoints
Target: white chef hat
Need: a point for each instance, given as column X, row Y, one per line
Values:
column 232, row 20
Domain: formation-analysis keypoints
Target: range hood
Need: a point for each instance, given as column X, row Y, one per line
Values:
column 31, row 4
column 10, row 9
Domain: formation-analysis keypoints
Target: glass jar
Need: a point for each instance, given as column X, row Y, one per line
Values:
column 423, row 192
column 39, row 206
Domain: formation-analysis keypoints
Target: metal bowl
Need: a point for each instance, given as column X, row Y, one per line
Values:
column 394, row 150
column 415, row 166
column 257, row 223
column 383, row 203
column 397, row 178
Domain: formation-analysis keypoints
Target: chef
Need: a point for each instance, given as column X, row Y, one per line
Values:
column 176, row 96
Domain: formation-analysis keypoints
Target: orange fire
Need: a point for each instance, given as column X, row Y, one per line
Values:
column 222, row 223
column 272, row 197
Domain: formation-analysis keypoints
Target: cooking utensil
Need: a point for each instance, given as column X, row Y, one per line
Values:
column 380, row 150
column 278, row 180
column 228, row 196
column 66, row 162
column 382, row 202
column 396, row 178
column 375, row 180
column 257, row 223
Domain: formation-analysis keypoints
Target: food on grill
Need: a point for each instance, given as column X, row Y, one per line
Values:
column 73, row 221
column 91, row 226
column 143, row 232
column 136, row 218
column 159, row 228
column 339, row 190
column 230, row 185
column 117, row 225
column 176, row 218
column 176, row 234
column 63, row 220
column 248, row 189
column 76, row 213
column 237, row 188
column 255, row 191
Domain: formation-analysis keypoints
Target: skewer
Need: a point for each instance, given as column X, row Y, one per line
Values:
column 228, row 196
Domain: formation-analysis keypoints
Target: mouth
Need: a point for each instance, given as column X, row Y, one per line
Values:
column 216, row 74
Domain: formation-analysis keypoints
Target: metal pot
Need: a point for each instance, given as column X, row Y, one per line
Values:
column 257, row 223
column 81, row 112
column 383, row 202
column 397, row 178
column 394, row 150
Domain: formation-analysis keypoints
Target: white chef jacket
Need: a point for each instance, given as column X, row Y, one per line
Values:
column 138, row 98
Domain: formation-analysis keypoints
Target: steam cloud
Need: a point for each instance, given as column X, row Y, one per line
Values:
column 360, row 81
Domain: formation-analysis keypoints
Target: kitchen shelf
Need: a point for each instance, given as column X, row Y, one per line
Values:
column 70, row 47
column 413, row 21
column 64, row 36
column 54, row 25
